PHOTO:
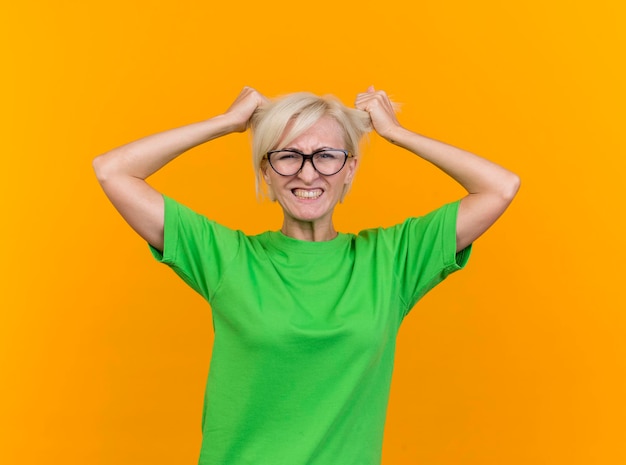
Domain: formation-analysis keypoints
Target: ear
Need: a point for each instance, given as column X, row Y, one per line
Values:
column 351, row 169
column 265, row 171
column 265, row 167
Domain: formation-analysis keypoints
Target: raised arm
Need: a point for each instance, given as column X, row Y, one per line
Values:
column 122, row 171
column 490, row 187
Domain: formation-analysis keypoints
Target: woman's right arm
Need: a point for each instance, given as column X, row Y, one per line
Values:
column 122, row 171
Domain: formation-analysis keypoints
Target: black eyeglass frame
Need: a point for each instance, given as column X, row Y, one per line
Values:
column 308, row 156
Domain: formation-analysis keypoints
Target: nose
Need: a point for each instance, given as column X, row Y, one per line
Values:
column 308, row 172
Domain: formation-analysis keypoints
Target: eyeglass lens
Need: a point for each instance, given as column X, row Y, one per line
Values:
column 289, row 162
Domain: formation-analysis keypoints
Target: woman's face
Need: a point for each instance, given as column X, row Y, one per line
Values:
column 308, row 196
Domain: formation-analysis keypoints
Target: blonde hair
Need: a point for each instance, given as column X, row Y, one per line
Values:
column 303, row 110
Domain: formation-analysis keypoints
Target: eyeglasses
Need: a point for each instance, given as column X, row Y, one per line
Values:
column 326, row 162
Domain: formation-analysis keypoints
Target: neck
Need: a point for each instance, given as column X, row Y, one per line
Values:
column 309, row 231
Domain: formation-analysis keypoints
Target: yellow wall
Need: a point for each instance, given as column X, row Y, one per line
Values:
column 520, row 359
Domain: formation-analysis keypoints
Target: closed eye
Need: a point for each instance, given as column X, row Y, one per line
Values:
column 287, row 156
column 329, row 154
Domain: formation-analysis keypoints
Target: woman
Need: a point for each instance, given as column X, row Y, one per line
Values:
column 305, row 318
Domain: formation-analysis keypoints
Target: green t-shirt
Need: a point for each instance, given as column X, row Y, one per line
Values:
column 304, row 332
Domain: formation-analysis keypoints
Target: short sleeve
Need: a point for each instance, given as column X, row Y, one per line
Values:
column 426, row 252
column 197, row 249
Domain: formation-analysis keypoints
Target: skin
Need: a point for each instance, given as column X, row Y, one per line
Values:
column 490, row 187
column 122, row 172
column 310, row 219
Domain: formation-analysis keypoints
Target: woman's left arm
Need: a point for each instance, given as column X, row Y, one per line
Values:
column 490, row 187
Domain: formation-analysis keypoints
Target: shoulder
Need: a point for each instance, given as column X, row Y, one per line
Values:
column 183, row 224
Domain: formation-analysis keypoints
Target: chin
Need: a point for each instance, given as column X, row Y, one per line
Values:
column 307, row 215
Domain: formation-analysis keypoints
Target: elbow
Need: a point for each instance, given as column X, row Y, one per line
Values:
column 510, row 186
column 96, row 164
column 504, row 189
column 99, row 165
column 501, row 189
column 104, row 167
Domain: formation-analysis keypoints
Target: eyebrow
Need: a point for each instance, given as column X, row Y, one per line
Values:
column 316, row 150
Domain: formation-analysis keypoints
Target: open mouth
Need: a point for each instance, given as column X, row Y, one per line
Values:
column 307, row 194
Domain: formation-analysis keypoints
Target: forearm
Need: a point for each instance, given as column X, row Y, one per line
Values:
column 143, row 157
column 122, row 171
column 490, row 187
column 476, row 174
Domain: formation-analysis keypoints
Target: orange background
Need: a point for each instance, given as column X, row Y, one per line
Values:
column 520, row 359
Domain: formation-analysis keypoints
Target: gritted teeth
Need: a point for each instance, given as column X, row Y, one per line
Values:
column 307, row 194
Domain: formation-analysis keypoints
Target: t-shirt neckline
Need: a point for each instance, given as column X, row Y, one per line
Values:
column 283, row 242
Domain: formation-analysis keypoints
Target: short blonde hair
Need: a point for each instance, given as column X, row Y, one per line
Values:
column 303, row 109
